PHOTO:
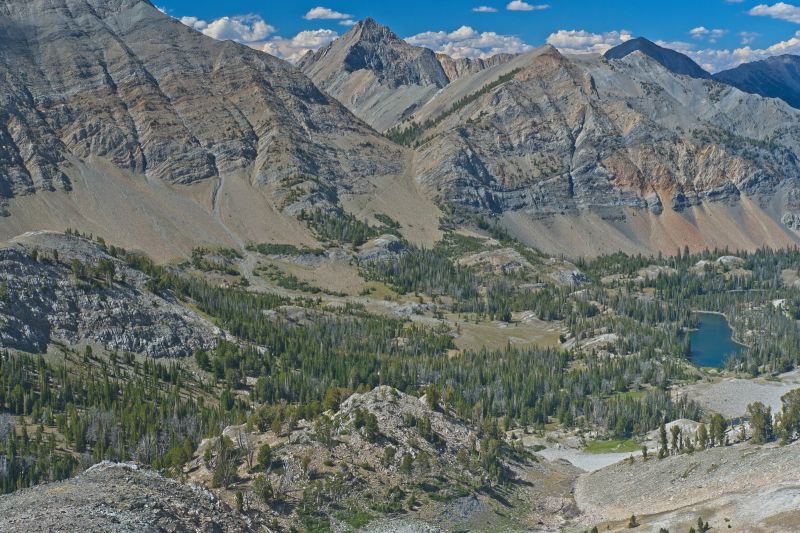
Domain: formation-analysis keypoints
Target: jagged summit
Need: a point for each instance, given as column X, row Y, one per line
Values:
column 382, row 78
column 774, row 77
column 371, row 30
column 375, row 73
column 670, row 59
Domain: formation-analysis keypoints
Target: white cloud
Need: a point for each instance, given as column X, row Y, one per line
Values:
column 243, row 28
column 296, row 47
column 581, row 41
column 789, row 46
column 781, row 11
column 519, row 5
column 484, row 9
column 323, row 13
column 748, row 37
column 679, row 46
column 715, row 60
column 467, row 42
column 253, row 31
column 711, row 35
column 711, row 59
column 347, row 22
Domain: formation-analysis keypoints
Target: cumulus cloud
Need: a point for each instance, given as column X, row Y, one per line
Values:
column 323, row 13
column 748, row 37
column 253, row 31
column 711, row 59
column 711, row 35
column 243, row 28
column 715, row 60
column 781, row 11
column 583, row 42
column 467, row 42
column 484, row 9
column 519, row 5
column 296, row 47
column 746, row 53
column 347, row 22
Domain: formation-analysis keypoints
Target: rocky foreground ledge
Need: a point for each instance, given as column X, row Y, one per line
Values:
column 118, row 497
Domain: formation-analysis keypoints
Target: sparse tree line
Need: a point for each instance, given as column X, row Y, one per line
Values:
column 341, row 227
column 84, row 410
column 411, row 135
column 633, row 523
column 680, row 440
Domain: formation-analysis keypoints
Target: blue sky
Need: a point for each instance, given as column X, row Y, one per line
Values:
column 716, row 33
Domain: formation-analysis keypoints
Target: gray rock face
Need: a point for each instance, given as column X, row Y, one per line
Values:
column 458, row 68
column 121, row 81
column 378, row 76
column 791, row 220
column 498, row 260
column 568, row 134
column 119, row 498
column 44, row 300
column 774, row 77
column 569, row 277
column 382, row 248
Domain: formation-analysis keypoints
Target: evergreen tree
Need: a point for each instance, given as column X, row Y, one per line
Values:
column 760, row 422
column 265, row 457
column 702, row 436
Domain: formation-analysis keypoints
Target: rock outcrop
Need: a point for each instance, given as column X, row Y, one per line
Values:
column 119, row 498
column 464, row 66
column 54, row 289
column 381, row 446
column 380, row 249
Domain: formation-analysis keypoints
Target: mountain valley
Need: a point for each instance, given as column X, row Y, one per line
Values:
column 387, row 288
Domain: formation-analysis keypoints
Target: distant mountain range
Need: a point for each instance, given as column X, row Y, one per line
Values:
column 774, row 77
column 119, row 120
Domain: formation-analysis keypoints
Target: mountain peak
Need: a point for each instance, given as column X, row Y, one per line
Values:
column 641, row 42
column 369, row 22
column 774, row 77
column 370, row 30
column 369, row 63
column 670, row 59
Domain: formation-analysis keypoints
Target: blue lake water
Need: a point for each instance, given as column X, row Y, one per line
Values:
column 711, row 343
